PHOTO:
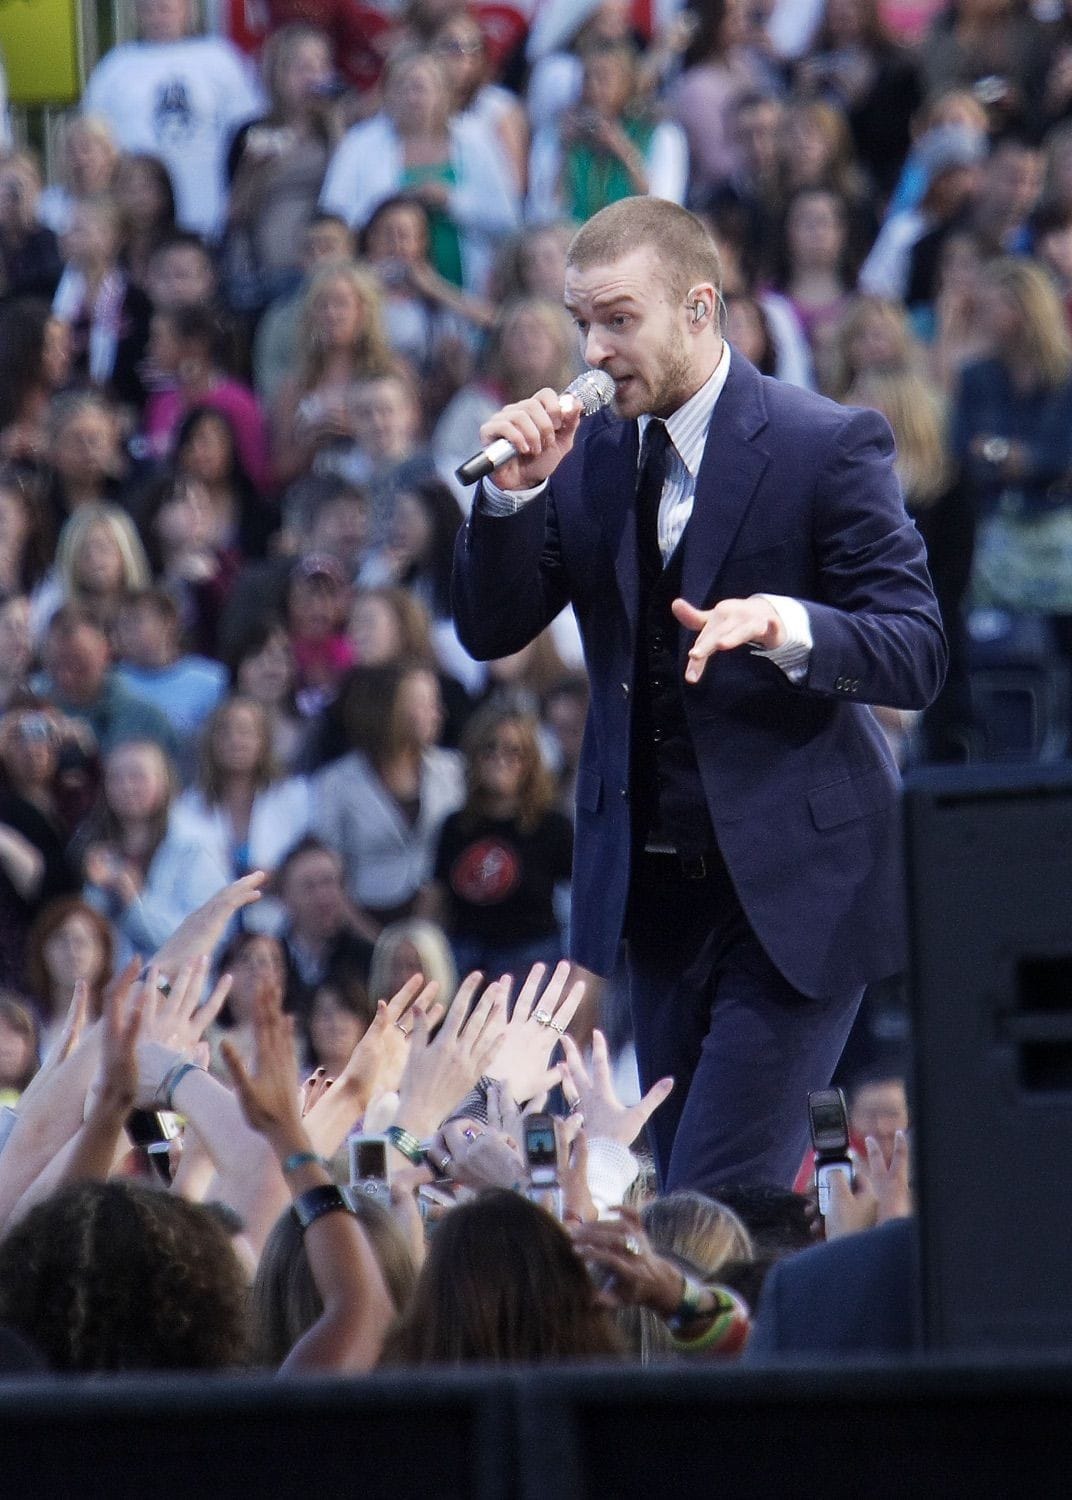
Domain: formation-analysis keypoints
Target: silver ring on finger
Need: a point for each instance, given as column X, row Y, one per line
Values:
column 543, row 1018
column 632, row 1245
column 402, row 1029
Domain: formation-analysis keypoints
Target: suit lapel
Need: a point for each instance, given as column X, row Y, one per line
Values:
column 731, row 468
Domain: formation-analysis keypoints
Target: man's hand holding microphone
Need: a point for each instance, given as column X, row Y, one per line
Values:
column 525, row 442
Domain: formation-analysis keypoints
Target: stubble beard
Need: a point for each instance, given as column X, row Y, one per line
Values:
column 672, row 389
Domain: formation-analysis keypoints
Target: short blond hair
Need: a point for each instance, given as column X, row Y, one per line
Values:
column 683, row 245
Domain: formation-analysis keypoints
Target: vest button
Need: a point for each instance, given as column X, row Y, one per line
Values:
column 623, row 793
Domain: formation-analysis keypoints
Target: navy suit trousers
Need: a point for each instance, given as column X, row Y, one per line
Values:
column 710, row 1008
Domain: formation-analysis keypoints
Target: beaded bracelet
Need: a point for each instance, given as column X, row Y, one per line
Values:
column 406, row 1142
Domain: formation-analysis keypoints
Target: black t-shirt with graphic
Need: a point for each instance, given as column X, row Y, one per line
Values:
column 499, row 880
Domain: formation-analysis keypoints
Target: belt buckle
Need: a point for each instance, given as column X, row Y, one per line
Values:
column 693, row 866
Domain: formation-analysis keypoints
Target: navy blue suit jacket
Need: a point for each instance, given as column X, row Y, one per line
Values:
column 797, row 496
column 858, row 1295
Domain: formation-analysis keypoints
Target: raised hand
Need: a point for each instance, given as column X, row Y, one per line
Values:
column 732, row 623
column 175, row 1023
column 74, row 1024
column 268, row 1094
column 439, row 1072
column 115, row 1091
column 890, row 1184
column 591, row 1091
column 379, row 1059
column 538, row 1022
column 850, row 1208
column 203, row 929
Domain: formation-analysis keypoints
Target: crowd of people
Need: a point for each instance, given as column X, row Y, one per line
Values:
column 247, row 335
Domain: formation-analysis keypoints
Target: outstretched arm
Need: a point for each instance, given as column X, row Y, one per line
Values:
column 876, row 631
column 357, row 1305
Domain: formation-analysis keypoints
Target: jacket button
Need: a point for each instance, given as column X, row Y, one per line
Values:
column 623, row 793
column 856, row 684
column 625, row 690
column 839, row 683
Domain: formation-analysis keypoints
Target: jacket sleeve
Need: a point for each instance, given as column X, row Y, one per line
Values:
column 509, row 580
column 876, row 629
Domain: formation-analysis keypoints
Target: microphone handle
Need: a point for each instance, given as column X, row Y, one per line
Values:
column 485, row 462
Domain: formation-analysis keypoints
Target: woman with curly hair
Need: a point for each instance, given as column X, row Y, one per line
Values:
column 341, row 342
column 113, row 1276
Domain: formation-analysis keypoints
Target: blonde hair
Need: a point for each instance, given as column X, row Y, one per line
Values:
column 371, row 351
column 95, row 127
column 136, row 574
column 697, row 1234
column 558, row 328
column 1044, row 340
column 841, row 373
column 432, row 950
column 916, row 412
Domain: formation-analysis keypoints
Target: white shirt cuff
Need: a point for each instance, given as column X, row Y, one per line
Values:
column 794, row 654
column 612, row 1170
column 497, row 502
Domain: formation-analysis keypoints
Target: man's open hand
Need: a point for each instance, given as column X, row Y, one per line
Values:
column 732, row 623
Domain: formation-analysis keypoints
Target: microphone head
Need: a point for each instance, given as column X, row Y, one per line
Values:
column 592, row 390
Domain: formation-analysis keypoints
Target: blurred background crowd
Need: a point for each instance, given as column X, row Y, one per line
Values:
column 256, row 320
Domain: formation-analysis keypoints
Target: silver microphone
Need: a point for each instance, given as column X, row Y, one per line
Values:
column 591, row 391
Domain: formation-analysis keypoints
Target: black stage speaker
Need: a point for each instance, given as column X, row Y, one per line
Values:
column 989, row 864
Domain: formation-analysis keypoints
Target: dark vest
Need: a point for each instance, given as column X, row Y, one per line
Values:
column 667, row 795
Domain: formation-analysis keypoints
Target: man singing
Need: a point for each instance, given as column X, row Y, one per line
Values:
column 746, row 581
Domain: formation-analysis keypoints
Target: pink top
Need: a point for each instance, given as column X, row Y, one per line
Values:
column 165, row 410
column 700, row 102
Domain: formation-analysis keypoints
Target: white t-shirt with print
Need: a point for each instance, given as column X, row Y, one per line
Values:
column 181, row 101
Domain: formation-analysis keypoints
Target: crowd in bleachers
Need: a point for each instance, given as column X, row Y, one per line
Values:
column 247, row 333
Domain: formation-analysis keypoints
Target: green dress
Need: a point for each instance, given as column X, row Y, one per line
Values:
column 592, row 178
column 445, row 246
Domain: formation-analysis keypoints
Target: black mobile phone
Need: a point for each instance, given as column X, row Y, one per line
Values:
column 370, row 1170
column 152, row 1131
column 828, row 1119
column 152, row 1127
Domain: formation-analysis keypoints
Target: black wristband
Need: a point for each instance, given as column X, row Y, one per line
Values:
column 317, row 1201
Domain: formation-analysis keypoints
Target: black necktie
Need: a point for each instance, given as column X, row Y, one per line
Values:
column 654, row 459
